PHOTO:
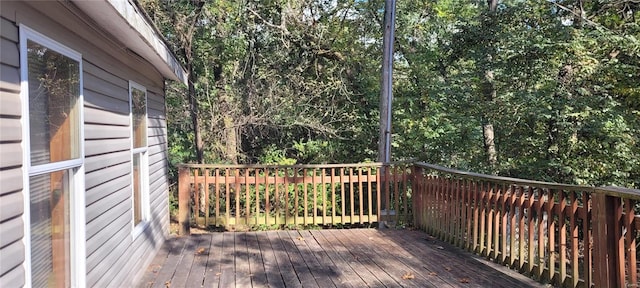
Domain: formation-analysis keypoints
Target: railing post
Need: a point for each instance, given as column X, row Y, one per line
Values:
column 184, row 201
column 605, row 240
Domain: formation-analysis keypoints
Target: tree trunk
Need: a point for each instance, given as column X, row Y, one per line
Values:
column 489, row 93
column 231, row 141
column 193, row 105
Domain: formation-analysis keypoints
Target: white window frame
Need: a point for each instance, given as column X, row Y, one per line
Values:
column 76, row 165
column 143, row 164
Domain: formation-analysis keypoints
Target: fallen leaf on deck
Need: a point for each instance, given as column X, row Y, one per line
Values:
column 370, row 238
column 408, row 275
column 167, row 284
column 433, row 274
column 447, row 268
column 464, row 280
column 200, row 251
column 440, row 247
column 300, row 238
column 218, row 274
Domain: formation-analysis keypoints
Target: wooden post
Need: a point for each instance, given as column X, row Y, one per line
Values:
column 605, row 241
column 184, row 201
column 418, row 194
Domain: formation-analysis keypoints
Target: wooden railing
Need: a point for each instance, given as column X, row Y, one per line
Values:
column 234, row 196
column 560, row 234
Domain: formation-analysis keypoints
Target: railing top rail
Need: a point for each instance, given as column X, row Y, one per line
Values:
column 610, row 190
column 258, row 166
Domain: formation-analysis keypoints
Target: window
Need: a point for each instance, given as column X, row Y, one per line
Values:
column 53, row 135
column 139, row 157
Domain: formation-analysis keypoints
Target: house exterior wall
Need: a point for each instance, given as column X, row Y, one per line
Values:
column 112, row 251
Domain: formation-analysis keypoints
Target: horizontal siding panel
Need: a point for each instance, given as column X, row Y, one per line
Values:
column 103, row 75
column 11, row 182
column 97, row 262
column 11, row 104
column 103, row 205
column 10, row 130
column 94, row 131
column 96, row 84
column 94, row 194
column 105, row 160
column 157, row 122
column 9, row 78
column 98, row 177
column 12, row 256
column 96, row 147
column 155, row 104
column 104, row 227
column 10, row 155
column 14, row 278
column 156, row 141
column 12, row 230
column 93, row 115
column 9, row 30
column 143, row 250
column 10, row 54
column 100, row 101
column 157, row 131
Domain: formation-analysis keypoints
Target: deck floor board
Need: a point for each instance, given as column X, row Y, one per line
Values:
column 322, row 258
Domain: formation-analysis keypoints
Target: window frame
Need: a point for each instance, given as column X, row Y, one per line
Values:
column 143, row 165
column 75, row 166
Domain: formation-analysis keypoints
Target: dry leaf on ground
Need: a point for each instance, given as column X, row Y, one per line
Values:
column 464, row 280
column 200, row 251
column 408, row 275
column 447, row 268
column 300, row 238
column 433, row 274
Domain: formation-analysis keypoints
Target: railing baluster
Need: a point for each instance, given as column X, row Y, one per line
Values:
column 378, row 194
column 360, row 195
column 247, row 200
column 217, row 187
column 351, row 204
column 286, row 196
column 227, row 198
column 630, row 242
column 295, row 199
column 562, row 236
column 551, row 234
column 324, row 197
column 207, row 202
column 305, row 197
column 333, row 196
column 512, row 225
column 369, row 195
column 342, row 204
column 256, row 177
column 236, row 179
column 267, row 203
column 531, row 229
column 276, row 195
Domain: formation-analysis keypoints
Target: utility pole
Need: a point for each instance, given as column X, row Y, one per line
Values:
column 386, row 94
column 386, row 97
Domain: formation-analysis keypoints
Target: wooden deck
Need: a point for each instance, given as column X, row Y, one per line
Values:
column 322, row 258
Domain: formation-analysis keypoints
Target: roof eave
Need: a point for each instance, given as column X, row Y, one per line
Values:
column 127, row 23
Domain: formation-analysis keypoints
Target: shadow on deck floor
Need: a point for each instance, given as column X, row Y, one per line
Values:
column 322, row 258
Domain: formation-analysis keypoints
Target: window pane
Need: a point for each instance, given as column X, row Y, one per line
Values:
column 50, row 229
column 139, row 114
column 137, row 190
column 54, row 90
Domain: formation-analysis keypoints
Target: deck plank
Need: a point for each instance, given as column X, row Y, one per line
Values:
column 256, row 264
column 214, row 261
column 243, row 272
column 273, row 275
column 322, row 258
column 285, row 266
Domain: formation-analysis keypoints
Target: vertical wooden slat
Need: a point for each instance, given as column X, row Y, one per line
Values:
column 351, row 198
column 551, row 235
column 586, row 230
column 513, row 225
column 276, row 195
column 360, row 195
column 305, row 197
column 333, row 196
column 184, row 200
column 476, row 215
column 295, row 197
column 267, row 202
column 196, row 195
column 521, row 227
column 562, row 236
column 531, row 229
column 490, row 214
column 455, row 210
column 378, row 194
column 630, row 242
column 483, row 217
column 396, row 194
column 286, row 196
column 217, row 187
column 236, row 178
column 344, row 202
column 324, row 196
column 247, row 197
column 503, row 225
column 403, row 195
column 541, row 229
column 369, row 195
column 466, row 206
column 256, row 177
column 619, row 237
column 575, row 264
column 228, row 198
column 315, row 197
column 207, row 198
